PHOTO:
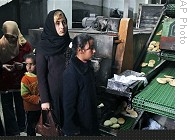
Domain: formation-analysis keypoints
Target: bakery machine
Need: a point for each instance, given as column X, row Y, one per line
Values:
column 156, row 60
column 158, row 98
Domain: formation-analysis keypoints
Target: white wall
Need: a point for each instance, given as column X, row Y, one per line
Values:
column 91, row 2
column 119, row 4
column 65, row 5
column 134, row 4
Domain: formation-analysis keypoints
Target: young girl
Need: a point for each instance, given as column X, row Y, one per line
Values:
column 79, row 92
column 30, row 95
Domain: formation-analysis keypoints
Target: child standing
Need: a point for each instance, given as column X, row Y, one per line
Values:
column 30, row 95
column 79, row 91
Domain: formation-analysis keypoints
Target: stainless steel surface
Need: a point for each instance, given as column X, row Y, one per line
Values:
column 103, row 45
column 100, row 23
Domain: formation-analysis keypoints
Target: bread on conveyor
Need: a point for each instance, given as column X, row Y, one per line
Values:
column 150, row 65
column 154, row 46
column 161, row 80
column 167, row 79
column 152, row 61
column 131, row 112
column 116, row 125
column 113, row 120
column 144, row 64
column 121, row 120
column 107, row 123
column 153, row 43
column 159, row 33
column 168, row 76
column 172, row 82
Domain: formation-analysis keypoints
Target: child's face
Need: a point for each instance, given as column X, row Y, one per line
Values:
column 89, row 50
column 30, row 66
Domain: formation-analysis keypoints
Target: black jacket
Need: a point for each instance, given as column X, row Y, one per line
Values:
column 79, row 99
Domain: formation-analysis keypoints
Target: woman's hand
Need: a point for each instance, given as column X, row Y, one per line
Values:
column 8, row 67
column 18, row 65
column 45, row 106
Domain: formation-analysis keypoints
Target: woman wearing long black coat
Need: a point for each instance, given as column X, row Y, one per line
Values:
column 51, row 56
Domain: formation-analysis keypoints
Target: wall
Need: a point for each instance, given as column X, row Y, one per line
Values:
column 112, row 4
column 92, row 7
column 32, row 14
column 27, row 13
column 8, row 12
column 83, row 8
column 90, row 2
column 133, row 6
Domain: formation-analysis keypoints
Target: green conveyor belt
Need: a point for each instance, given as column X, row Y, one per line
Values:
column 158, row 98
column 128, row 123
column 150, row 56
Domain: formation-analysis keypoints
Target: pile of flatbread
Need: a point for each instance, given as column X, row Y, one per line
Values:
column 154, row 46
column 149, row 64
column 127, row 111
column 167, row 79
column 114, row 122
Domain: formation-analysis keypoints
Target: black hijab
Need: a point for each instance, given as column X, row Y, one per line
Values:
column 51, row 43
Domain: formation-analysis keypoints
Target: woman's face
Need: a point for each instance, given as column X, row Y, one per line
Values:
column 60, row 26
column 11, row 39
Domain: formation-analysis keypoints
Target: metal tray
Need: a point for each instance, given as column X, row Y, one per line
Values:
column 130, row 123
column 119, row 86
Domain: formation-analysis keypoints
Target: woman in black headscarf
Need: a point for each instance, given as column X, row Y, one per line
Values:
column 51, row 61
